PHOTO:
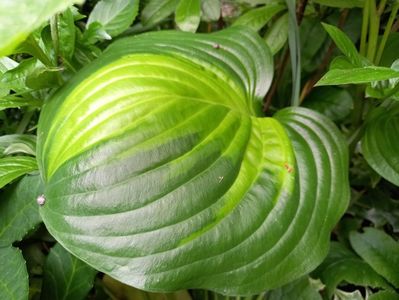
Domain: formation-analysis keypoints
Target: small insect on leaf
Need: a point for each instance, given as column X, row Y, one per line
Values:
column 41, row 200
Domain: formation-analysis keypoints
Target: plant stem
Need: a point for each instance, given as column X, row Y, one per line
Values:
column 374, row 28
column 55, row 37
column 381, row 7
column 365, row 25
column 388, row 28
column 25, row 121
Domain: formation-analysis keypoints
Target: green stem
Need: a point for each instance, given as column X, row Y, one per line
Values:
column 365, row 25
column 373, row 34
column 381, row 7
column 388, row 28
column 25, row 122
column 55, row 37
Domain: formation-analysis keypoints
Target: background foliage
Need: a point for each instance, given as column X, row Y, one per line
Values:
column 335, row 57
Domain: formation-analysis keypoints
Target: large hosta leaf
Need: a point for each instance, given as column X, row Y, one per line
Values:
column 380, row 144
column 160, row 173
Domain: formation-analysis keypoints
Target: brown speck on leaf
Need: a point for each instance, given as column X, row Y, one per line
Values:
column 288, row 168
column 216, row 46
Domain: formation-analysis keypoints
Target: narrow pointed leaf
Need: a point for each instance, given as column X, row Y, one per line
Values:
column 14, row 283
column 198, row 178
column 65, row 276
column 380, row 251
column 19, row 212
column 11, row 139
column 15, row 166
column 157, row 10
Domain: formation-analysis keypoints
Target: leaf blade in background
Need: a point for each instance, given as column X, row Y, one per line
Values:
column 344, row 44
column 301, row 289
column 13, row 167
column 19, row 212
column 25, row 17
column 188, row 15
column 258, row 17
column 380, row 145
column 342, row 266
column 211, row 10
column 335, row 103
column 277, row 35
column 357, row 75
column 10, row 139
column 157, row 10
column 66, row 277
column 341, row 3
column 379, row 250
column 14, row 283
column 115, row 16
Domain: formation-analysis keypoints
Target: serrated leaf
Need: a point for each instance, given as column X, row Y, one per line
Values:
column 198, row 179
column 19, row 211
column 115, row 16
column 380, row 251
column 342, row 266
column 157, row 10
column 357, row 75
column 380, row 145
column 66, row 34
column 277, row 35
column 344, row 44
column 14, row 283
column 258, row 17
column 188, row 15
column 15, row 166
column 65, row 276
column 24, row 17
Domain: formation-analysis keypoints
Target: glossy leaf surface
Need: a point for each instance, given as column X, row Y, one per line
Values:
column 380, row 144
column 160, row 173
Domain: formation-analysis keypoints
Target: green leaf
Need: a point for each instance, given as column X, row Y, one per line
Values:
column 380, row 251
column 115, row 16
column 14, row 283
column 384, row 295
column 342, row 267
column 380, row 145
column 210, row 10
column 19, row 18
column 277, row 35
column 198, row 179
column 19, row 211
column 13, row 101
column 66, row 34
column 157, row 10
column 65, row 276
column 9, row 140
column 344, row 44
column 15, row 166
column 357, row 75
column 341, row 295
column 258, row 17
column 341, row 3
column 188, row 15
column 335, row 103
column 301, row 289
column 15, row 78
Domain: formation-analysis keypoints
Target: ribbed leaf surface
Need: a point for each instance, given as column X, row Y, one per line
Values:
column 159, row 172
column 380, row 144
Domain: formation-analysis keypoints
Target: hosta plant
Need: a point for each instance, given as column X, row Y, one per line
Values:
column 160, row 171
